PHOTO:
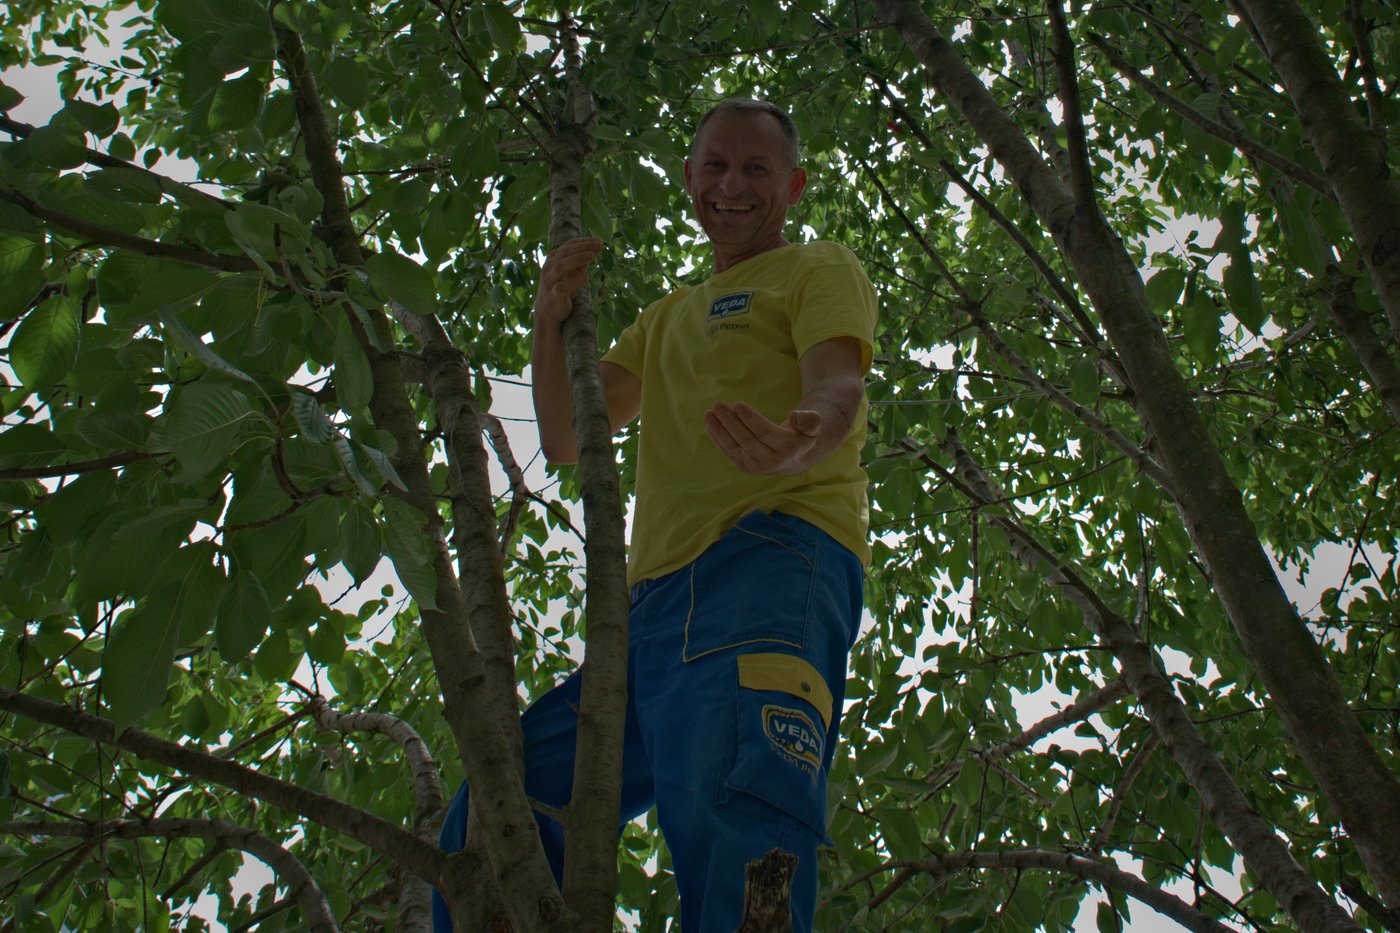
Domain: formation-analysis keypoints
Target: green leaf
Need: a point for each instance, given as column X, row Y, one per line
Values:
column 354, row 380
column 384, row 465
column 363, row 550
column 1242, row 288
column 57, row 147
column 188, row 341
column 237, row 103
column 347, row 81
column 311, row 418
column 503, row 27
column 410, row 547
column 1163, row 290
column 1300, row 233
column 137, row 658
column 341, row 445
column 901, row 832
column 45, row 344
column 15, row 219
column 202, row 423
column 404, row 281
column 98, row 119
column 243, row 618
column 9, row 97
column 1084, row 381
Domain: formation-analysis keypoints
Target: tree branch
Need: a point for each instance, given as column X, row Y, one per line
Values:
column 380, row 835
column 1105, row 874
column 1120, row 792
column 519, row 492
column 316, row 910
column 142, row 245
column 73, row 469
column 1250, row 147
column 1081, row 174
column 427, row 790
column 1078, row 711
column 94, row 157
column 1370, row 350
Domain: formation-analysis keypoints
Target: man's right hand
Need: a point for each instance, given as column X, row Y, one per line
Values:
column 565, row 271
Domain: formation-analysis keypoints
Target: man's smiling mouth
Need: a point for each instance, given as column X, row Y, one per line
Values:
column 722, row 208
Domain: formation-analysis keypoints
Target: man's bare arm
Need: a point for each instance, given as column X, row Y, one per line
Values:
column 565, row 272
column 832, row 390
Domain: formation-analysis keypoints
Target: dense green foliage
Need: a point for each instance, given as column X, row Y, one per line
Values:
column 188, row 451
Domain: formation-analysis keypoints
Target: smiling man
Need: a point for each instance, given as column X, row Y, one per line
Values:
column 749, row 528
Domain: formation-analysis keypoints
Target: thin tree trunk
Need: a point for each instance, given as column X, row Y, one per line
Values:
column 1324, row 732
column 590, row 854
column 486, row 743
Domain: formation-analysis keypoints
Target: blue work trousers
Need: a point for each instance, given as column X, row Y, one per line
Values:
column 737, row 672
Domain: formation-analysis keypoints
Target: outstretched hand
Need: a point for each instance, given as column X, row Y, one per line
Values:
column 757, row 445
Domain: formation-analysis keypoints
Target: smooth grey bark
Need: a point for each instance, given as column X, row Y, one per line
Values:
column 590, row 826
column 1327, row 736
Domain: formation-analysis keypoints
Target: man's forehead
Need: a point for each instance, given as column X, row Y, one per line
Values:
column 758, row 135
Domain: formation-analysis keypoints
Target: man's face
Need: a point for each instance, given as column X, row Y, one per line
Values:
column 741, row 184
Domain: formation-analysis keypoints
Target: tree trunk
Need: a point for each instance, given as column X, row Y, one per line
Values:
column 590, row 854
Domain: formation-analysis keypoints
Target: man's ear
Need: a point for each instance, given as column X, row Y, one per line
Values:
column 687, row 173
column 796, row 182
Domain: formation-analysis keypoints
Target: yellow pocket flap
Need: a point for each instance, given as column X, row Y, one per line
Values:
column 790, row 674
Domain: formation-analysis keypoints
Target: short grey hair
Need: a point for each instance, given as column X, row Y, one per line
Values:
column 793, row 143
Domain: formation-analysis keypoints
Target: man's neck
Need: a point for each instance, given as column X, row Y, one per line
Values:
column 725, row 261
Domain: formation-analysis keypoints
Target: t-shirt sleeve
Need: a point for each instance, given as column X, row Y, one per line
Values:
column 835, row 299
column 630, row 350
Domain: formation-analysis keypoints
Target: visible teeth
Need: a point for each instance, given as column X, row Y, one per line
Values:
column 733, row 208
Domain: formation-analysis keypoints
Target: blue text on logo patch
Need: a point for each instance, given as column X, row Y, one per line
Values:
column 731, row 305
column 794, row 736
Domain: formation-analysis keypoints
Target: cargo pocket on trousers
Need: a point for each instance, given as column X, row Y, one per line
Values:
column 783, row 715
column 753, row 585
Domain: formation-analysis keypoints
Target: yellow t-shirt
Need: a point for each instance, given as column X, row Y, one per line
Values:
column 738, row 338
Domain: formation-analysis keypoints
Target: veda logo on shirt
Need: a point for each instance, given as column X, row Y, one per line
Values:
column 794, row 735
column 728, row 306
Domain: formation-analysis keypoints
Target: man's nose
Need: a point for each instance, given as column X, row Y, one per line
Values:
column 731, row 182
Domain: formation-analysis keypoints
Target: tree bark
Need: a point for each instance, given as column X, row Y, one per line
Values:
column 485, row 743
column 768, row 893
column 1365, row 188
column 1326, row 735
column 590, row 855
